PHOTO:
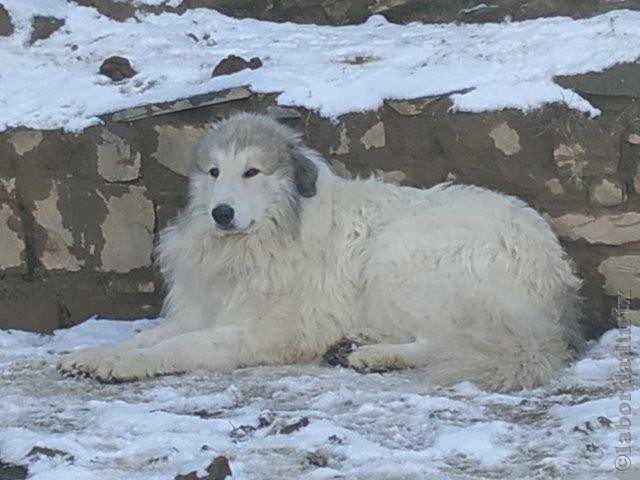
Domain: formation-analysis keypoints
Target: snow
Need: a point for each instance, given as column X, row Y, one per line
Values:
column 170, row 3
column 390, row 426
column 55, row 82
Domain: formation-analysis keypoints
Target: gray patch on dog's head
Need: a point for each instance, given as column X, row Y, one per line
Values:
column 282, row 148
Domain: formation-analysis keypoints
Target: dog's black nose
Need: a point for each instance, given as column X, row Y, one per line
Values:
column 222, row 214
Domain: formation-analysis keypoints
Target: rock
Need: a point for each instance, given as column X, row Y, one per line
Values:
column 6, row 25
column 189, row 476
column 127, row 285
column 634, row 139
column 636, row 180
column 128, row 232
column 204, row 413
column 116, row 163
column 621, row 274
column 233, row 64
column 265, row 419
column 570, row 159
column 384, row 5
column 631, row 316
column 335, row 10
column 374, row 137
column 117, row 68
column 283, row 113
column 622, row 80
column 43, row 27
column 607, row 193
column 199, row 101
column 506, row 139
column 344, row 146
column 395, row 177
column 24, row 141
column 177, row 146
column 294, row 427
column 11, row 245
column 50, row 453
column 340, row 169
column 555, row 186
column 118, row 10
column 242, row 432
column 588, row 150
column 146, row 287
column 612, row 229
column 56, row 254
column 219, row 469
column 7, row 187
column 13, row 472
column 317, row 459
column 411, row 107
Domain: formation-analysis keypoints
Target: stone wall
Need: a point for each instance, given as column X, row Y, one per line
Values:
column 79, row 212
column 343, row 12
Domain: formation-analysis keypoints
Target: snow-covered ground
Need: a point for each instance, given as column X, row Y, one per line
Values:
column 390, row 426
column 334, row 70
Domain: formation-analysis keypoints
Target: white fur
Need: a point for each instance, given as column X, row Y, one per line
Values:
column 463, row 282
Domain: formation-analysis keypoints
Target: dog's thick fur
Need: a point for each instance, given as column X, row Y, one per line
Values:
column 460, row 281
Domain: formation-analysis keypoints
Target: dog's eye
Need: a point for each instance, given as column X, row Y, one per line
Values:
column 214, row 172
column 252, row 172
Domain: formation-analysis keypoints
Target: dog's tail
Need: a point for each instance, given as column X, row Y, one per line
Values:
column 514, row 349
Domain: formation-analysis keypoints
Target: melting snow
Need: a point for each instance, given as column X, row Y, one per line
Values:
column 391, row 426
column 335, row 70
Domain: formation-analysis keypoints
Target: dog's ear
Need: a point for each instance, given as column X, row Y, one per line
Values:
column 305, row 173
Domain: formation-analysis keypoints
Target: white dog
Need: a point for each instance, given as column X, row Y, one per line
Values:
column 276, row 258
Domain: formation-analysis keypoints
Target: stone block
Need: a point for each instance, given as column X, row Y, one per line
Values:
column 506, row 139
column 607, row 193
column 177, row 146
column 116, row 161
column 374, row 137
column 621, row 274
column 128, row 232
column 611, row 229
column 56, row 254
column 24, row 141
column 11, row 245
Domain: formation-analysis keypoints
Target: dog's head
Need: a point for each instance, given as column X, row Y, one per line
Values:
column 250, row 170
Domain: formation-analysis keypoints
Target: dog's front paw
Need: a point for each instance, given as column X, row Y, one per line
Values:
column 84, row 362
column 111, row 364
